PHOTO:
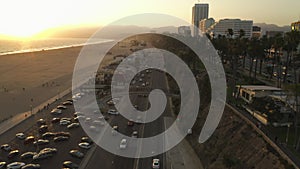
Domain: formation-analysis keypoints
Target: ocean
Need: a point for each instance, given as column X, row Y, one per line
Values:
column 22, row 46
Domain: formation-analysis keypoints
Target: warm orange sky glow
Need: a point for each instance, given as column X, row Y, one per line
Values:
column 26, row 18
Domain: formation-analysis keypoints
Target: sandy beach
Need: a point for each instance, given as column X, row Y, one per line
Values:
column 32, row 78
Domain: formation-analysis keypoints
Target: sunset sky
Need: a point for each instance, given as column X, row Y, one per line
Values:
column 27, row 17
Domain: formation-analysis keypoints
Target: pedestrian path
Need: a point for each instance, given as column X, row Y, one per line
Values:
column 15, row 120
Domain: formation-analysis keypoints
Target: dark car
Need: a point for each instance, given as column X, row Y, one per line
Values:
column 76, row 153
column 41, row 122
column 2, row 164
column 55, row 120
column 43, row 129
column 41, row 142
column 29, row 139
column 28, row 155
column 130, row 123
column 70, row 164
column 86, row 139
column 13, row 153
column 66, row 134
column 48, row 135
column 60, row 138
column 31, row 166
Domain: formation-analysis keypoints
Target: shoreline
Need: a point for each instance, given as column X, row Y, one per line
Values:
column 24, row 51
column 29, row 79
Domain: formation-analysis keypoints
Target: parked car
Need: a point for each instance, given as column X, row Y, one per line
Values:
column 2, row 164
column 48, row 135
column 13, row 153
column 64, row 122
column 48, row 149
column 123, row 143
column 20, row 136
column 55, row 120
column 62, row 107
column 68, row 102
column 43, row 129
column 70, row 165
column 6, row 147
column 15, row 165
column 76, row 153
column 56, row 112
column 41, row 122
column 84, row 145
column 60, row 138
column 86, row 139
column 41, row 142
column 29, row 139
column 28, row 155
column 73, row 125
column 62, row 133
column 31, row 166
column 155, row 163
column 42, row 155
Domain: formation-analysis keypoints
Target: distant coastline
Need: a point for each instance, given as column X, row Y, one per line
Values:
column 48, row 44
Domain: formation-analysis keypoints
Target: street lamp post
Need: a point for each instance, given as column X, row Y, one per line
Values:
column 287, row 134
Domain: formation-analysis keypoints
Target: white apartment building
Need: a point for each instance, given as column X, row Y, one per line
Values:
column 221, row 27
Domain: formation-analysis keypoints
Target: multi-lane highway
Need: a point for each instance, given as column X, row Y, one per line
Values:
column 103, row 159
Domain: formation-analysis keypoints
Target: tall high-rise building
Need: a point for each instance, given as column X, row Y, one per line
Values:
column 200, row 11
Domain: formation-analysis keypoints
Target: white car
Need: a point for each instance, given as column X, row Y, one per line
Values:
column 73, row 125
column 113, row 112
column 123, row 143
column 84, row 145
column 56, row 111
column 61, row 107
column 6, row 147
column 20, row 136
column 155, row 163
column 98, row 123
column 64, row 122
column 15, row 165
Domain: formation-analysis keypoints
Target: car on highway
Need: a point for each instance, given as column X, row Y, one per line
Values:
column 29, row 139
column 31, row 166
column 123, row 143
column 134, row 134
column 155, row 163
column 94, row 128
column 6, row 147
column 130, row 123
column 84, row 145
column 20, row 136
column 13, row 153
column 88, row 120
column 2, row 164
column 60, row 138
column 15, row 165
column 56, row 112
column 70, row 165
column 73, row 125
column 76, row 153
column 78, row 114
column 28, row 155
column 113, row 112
column 41, row 142
column 98, row 123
